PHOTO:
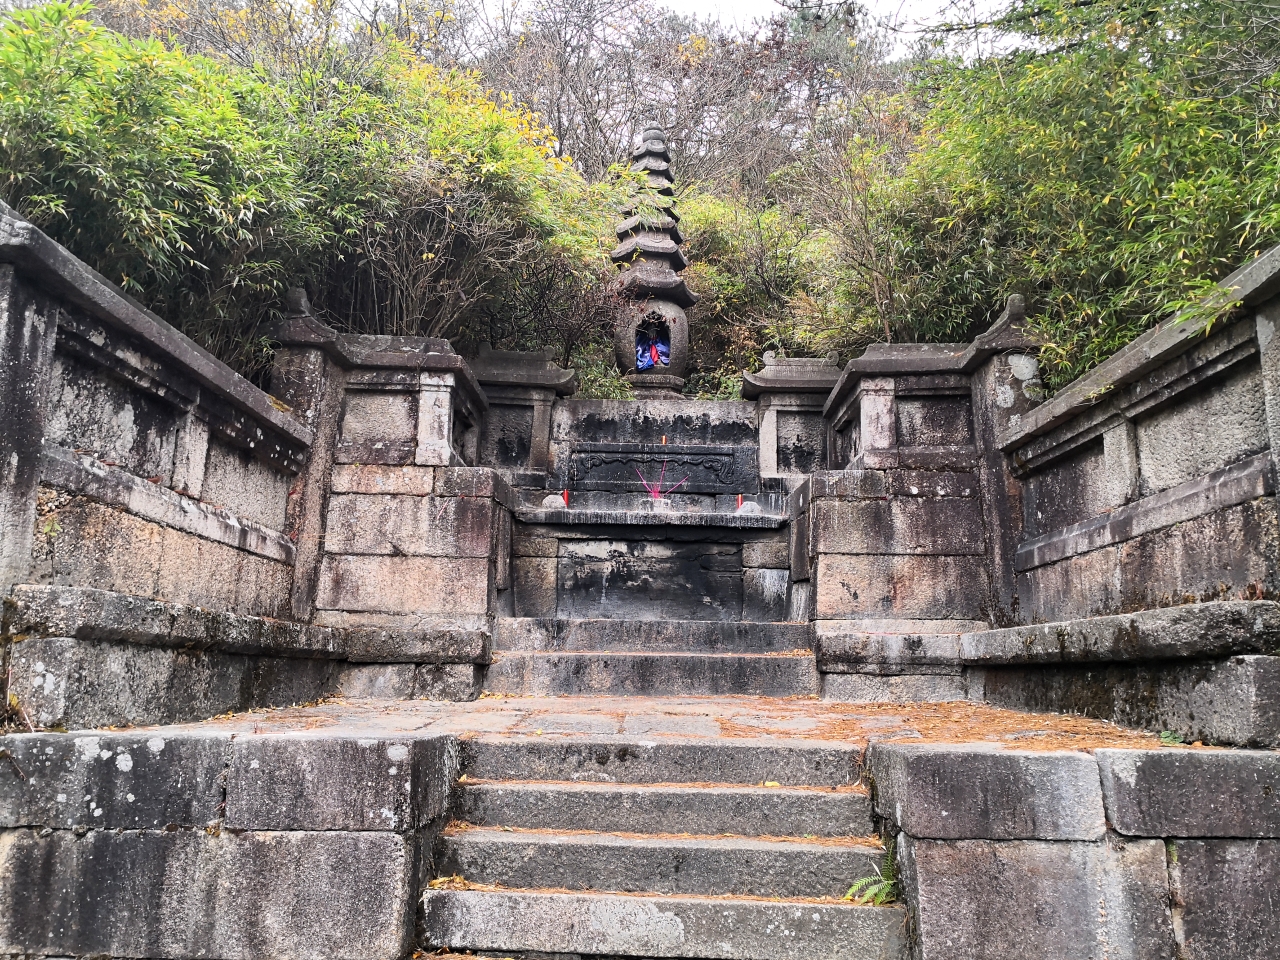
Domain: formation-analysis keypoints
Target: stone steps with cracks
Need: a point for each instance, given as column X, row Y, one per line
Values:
column 640, row 808
column 611, row 862
column 653, row 674
column 725, row 760
column 532, row 635
column 595, row 924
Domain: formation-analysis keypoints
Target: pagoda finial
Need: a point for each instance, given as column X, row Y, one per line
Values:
column 651, row 341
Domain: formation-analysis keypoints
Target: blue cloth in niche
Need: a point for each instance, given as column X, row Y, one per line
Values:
column 652, row 348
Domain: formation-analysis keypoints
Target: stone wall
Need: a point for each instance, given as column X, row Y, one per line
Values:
column 1064, row 855
column 276, row 548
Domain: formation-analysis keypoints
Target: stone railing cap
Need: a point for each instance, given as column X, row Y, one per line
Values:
column 1251, row 285
column 64, row 275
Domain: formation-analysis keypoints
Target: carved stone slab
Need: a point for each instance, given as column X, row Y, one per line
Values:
column 637, row 467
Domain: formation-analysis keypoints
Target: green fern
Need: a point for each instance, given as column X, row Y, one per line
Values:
column 877, row 889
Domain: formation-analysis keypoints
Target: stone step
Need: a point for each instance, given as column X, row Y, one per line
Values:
column 653, row 674
column 538, row 635
column 746, row 811
column 656, row 863
column 723, row 760
column 599, row 924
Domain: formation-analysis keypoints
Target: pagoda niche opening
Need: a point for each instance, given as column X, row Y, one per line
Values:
column 653, row 342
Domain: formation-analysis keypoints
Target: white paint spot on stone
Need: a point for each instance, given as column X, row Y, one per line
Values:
column 254, row 764
column 88, row 747
column 387, row 814
column 1023, row 367
column 129, row 797
column 104, row 754
column 366, row 742
column 124, row 762
column 1005, row 396
column 392, row 770
column 39, row 666
column 61, row 798
column 97, row 811
column 155, row 744
column 397, row 751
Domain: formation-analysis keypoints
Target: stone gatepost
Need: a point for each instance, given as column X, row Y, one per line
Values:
column 28, row 327
column 521, row 387
column 789, row 395
column 1005, row 386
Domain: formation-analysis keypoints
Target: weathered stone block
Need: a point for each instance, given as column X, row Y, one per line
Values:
column 1203, row 431
column 1217, row 556
column 1234, row 702
column 188, row 894
column 983, row 792
column 410, row 526
column 764, row 595
column 1227, row 889
column 897, row 688
column 448, row 681
column 112, row 781
column 421, row 585
column 374, row 681
column 88, row 614
column 842, row 644
column 386, row 480
column 524, row 545
column 1218, row 628
column 306, row 782
column 239, row 482
column 1192, row 793
column 775, row 554
column 1039, row 900
column 925, row 587
column 475, row 482
column 951, row 526
column 370, row 417
column 64, row 682
column 534, row 580
column 445, row 641
column 602, row 925
column 669, row 580
column 90, row 545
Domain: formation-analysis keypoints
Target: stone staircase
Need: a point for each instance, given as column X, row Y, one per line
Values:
column 546, row 657
column 603, row 846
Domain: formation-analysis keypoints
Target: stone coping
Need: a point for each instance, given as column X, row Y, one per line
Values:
column 1239, row 483
column 1196, row 631
column 1251, row 285
column 898, row 359
column 980, row 792
column 63, row 275
column 651, row 518
column 352, row 350
column 83, row 613
column 1218, row 628
column 76, row 473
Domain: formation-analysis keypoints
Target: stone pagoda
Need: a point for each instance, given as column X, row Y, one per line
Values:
column 651, row 339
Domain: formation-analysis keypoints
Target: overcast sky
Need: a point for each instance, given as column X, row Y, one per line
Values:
column 744, row 11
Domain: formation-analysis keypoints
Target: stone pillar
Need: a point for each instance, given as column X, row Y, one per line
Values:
column 1006, row 384
column 877, row 424
column 28, row 328
column 306, row 377
column 1268, row 327
column 435, row 421
column 789, row 394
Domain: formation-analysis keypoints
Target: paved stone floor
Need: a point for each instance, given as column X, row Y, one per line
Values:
column 803, row 719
